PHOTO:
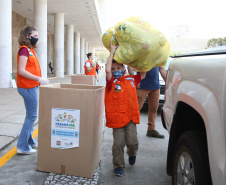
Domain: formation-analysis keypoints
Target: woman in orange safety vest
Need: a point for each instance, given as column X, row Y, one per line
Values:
column 90, row 68
column 28, row 80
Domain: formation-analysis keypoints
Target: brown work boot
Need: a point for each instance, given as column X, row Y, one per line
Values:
column 154, row 133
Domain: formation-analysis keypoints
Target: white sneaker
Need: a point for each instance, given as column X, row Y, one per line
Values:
column 32, row 151
column 35, row 146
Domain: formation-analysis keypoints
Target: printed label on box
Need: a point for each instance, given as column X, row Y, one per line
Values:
column 65, row 124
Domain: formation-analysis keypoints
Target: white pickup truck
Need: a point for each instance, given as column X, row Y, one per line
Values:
column 194, row 113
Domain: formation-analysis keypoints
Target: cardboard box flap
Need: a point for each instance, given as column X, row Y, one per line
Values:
column 56, row 85
column 76, row 86
column 72, row 86
column 82, row 74
column 83, row 79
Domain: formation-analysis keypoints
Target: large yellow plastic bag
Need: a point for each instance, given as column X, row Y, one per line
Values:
column 133, row 42
column 154, row 58
column 129, row 33
column 109, row 37
column 150, row 60
column 141, row 46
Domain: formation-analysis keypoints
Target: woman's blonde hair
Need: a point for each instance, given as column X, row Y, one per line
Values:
column 23, row 40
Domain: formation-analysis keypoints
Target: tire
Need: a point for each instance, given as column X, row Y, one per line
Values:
column 191, row 163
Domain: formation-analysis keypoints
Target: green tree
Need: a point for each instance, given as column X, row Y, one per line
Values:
column 101, row 56
column 214, row 42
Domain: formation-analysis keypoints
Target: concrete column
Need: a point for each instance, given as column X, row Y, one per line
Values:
column 77, row 53
column 90, row 48
column 40, row 22
column 5, row 43
column 49, row 55
column 86, row 49
column 82, row 54
column 70, row 49
column 93, row 51
column 59, row 45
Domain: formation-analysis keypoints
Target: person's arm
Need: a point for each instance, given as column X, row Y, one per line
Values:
column 108, row 66
column 130, row 70
column 143, row 74
column 89, row 68
column 23, row 72
column 21, row 69
column 109, row 62
column 163, row 72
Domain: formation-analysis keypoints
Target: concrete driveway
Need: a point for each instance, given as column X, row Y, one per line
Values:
column 150, row 167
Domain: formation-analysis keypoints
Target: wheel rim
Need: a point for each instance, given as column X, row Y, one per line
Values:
column 185, row 170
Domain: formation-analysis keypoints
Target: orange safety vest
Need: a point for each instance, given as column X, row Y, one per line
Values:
column 93, row 71
column 121, row 104
column 32, row 67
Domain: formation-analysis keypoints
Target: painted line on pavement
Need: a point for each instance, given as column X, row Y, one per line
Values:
column 52, row 78
column 102, row 75
column 12, row 152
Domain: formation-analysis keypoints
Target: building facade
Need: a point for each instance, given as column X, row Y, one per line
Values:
column 68, row 30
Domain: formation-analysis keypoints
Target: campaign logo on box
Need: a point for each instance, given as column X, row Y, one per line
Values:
column 65, row 121
column 65, row 125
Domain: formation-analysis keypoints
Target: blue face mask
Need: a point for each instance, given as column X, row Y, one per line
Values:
column 117, row 74
column 92, row 58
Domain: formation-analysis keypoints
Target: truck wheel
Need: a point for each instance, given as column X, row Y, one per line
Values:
column 191, row 164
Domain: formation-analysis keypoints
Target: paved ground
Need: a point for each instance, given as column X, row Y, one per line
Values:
column 150, row 167
column 11, row 115
column 12, row 112
column 20, row 169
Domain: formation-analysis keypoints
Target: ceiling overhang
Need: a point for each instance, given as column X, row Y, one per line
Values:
column 83, row 14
